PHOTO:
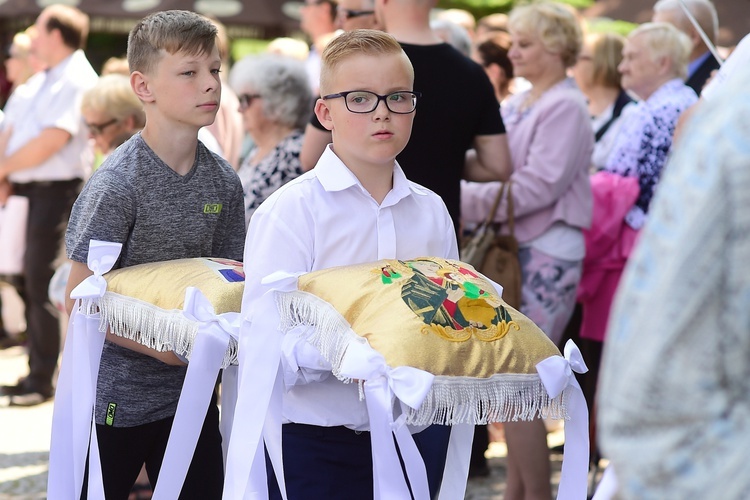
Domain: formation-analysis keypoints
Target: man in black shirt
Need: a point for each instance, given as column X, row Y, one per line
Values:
column 458, row 132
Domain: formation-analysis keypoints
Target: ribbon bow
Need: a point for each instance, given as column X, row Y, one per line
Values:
column 556, row 373
column 101, row 259
column 382, row 383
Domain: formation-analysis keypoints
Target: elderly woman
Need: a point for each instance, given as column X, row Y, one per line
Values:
column 275, row 103
column 598, row 78
column 112, row 112
column 551, row 140
column 654, row 67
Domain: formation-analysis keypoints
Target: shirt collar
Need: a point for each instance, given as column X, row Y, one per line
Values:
column 668, row 88
column 58, row 70
column 335, row 176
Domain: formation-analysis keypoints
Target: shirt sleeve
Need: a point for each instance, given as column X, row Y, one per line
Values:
column 105, row 210
column 561, row 146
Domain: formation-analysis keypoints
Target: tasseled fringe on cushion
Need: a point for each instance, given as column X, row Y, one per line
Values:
column 451, row 400
column 151, row 326
column 501, row 398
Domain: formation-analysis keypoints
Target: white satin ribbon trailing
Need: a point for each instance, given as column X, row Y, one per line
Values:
column 557, row 376
column 382, row 385
column 258, row 405
column 211, row 341
column 73, row 431
column 607, row 489
column 457, row 462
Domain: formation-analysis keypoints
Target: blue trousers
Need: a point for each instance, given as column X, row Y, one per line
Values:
column 335, row 463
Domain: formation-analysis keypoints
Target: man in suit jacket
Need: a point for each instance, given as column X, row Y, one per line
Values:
column 702, row 62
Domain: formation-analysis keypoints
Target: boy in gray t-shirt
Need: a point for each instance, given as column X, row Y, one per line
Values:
column 150, row 195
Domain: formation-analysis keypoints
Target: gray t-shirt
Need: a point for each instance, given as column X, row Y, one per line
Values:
column 137, row 200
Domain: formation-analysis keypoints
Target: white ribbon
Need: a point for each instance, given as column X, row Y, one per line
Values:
column 381, row 385
column 457, row 462
column 608, row 485
column 73, row 430
column 211, row 341
column 259, row 405
column 557, row 376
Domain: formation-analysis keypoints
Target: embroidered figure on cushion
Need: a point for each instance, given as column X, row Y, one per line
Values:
column 453, row 301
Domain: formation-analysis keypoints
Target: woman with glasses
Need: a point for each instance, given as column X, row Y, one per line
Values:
column 596, row 74
column 112, row 112
column 275, row 103
column 551, row 141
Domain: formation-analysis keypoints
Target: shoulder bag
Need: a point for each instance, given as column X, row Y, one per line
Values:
column 496, row 255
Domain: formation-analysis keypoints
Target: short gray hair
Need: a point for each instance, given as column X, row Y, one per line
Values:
column 283, row 83
column 665, row 40
column 704, row 12
column 454, row 34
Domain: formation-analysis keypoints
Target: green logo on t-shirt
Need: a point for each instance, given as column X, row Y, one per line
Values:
column 212, row 208
column 110, row 419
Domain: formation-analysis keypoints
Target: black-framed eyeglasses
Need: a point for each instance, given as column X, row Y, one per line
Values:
column 351, row 14
column 363, row 101
column 247, row 99
column 98, row 128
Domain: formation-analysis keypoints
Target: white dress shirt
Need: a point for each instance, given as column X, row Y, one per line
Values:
column 52, row 99
column 326, row 218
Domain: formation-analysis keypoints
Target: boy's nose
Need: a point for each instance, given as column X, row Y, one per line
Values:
column 381, row 110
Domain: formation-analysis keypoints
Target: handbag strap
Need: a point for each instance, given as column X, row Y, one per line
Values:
column 511, row 212
column 491, row 214
column 505, row 189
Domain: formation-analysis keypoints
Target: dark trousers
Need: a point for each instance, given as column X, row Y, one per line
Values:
column 335, row 463
column 123, row 450
column 49, row 209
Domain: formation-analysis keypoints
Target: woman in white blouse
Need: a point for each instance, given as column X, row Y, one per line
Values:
column 597, row 76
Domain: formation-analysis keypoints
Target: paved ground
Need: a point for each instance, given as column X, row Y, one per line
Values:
column 25, row 437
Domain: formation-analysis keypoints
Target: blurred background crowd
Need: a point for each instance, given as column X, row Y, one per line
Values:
column 592, row 95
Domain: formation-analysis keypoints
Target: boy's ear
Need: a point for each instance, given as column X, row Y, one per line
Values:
column 323, row 114
column 140, row 84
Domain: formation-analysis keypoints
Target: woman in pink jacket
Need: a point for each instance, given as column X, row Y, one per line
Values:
column 551, row 141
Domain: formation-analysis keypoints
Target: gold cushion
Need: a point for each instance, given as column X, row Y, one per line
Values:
column 144, row 303
column 163, row 284
column 437, row 315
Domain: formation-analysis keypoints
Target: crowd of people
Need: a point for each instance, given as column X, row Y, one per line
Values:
column 310, row 171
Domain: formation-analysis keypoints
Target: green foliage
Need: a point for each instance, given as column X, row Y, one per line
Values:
column 481, row 8
column 246, row 46
column 602, row 25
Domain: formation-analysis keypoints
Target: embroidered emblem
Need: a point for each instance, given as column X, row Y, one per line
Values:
column 453, row 301
column 110, row 418
column 212, row 208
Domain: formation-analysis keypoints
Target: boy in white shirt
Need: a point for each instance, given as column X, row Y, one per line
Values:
column 355, row 206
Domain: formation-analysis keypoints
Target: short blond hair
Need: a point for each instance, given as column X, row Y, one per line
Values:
column 112, row 95
column 356, row 43
column 606, row 55
column 172, row 31
column 665, row 40
column 554, row 24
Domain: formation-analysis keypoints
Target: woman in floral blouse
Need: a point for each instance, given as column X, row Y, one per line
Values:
column 275, row 103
